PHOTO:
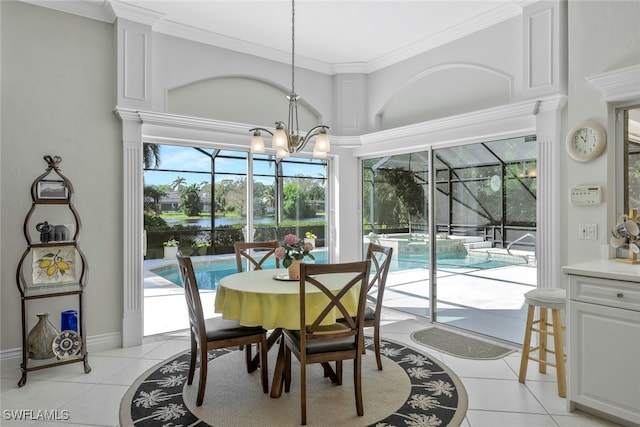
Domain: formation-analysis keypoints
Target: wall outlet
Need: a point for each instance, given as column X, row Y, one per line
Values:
column 588, row 231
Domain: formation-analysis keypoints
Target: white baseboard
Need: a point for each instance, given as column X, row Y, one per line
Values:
column 95, row 343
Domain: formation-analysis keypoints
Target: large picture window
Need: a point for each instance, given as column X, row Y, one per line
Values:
column 206, row 199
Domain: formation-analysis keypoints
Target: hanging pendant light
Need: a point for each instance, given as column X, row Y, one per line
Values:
column 287, row 138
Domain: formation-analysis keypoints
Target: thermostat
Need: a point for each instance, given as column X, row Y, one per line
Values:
column 586, row 196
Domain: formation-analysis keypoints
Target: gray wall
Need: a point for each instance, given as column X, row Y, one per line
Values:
column 58, row 95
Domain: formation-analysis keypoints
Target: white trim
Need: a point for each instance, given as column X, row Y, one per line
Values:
column 618, row 85
column 95, row 343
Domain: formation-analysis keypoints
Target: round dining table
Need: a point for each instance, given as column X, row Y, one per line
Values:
column 269, row 299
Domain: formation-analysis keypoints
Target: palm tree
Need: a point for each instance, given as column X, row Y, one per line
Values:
column 190, row 200
column 154, row 194
column 178, row 183
column 151, row 156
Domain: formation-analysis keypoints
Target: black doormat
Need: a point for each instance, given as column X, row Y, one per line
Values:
column 459, row 345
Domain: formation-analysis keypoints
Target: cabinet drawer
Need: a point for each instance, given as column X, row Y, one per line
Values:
column 613, row 293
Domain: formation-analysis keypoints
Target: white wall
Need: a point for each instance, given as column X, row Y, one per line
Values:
column 603, row 36
column 58, row 94
column 177, row 62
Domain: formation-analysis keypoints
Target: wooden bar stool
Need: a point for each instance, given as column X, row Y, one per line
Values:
column 545, row 299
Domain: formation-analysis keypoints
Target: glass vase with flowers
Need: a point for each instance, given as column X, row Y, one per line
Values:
column 292, row 252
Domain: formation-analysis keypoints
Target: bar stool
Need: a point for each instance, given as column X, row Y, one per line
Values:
column 553, row 299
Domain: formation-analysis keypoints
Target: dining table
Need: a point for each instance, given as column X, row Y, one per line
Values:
column 269, row 298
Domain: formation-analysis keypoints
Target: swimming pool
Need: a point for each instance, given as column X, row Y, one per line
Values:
column 208, row 273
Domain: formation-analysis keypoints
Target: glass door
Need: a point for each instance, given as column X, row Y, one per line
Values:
column 395, row 214
column 471, row 265
column 485, row 215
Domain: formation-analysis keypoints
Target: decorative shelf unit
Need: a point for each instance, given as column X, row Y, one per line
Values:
column 53, row 268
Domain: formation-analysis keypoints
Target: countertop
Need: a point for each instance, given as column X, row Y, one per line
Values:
column 605, row 269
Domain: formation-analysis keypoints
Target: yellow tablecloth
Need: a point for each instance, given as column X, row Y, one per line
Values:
column 255, row 298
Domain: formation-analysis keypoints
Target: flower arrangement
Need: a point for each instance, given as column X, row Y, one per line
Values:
column 171, row 242
column 293, row 248
column 310, row 235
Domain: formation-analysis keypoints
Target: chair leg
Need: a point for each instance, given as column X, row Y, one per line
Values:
column 526, row 346
column 559, row 352
column 204, row 363
column 192, row 360
column 248, row 358
column 339, row 372
column 303, row 392
column 357, row 382
column 376, row 340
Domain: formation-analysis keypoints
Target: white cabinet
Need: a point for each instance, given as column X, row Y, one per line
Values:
column 604, row 339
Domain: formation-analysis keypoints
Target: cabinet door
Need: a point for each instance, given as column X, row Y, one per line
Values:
column 605, row 359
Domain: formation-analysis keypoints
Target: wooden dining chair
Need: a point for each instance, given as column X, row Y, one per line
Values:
column 215, row 333
column 248, row 251
column 256, row 254
column 314, row 343
column 380, row 257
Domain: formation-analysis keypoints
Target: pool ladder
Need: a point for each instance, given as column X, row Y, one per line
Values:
column 519, row 239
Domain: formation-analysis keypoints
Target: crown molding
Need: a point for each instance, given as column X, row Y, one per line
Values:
column 162, row 127
column 109, row 10
column 135, row 13
column 99, row 10
column 618, row 85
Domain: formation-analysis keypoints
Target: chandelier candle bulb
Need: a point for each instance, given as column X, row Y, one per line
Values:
column 257, row 143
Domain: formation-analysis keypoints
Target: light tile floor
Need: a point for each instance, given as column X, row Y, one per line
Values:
column 496, row 398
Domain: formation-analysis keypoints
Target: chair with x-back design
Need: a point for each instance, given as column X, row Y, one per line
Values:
column 255, row 254
column 215, row 333
column 315, row 343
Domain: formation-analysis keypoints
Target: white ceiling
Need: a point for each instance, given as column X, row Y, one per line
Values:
column 330, row 35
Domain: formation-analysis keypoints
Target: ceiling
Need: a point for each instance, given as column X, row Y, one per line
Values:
column 331, row 36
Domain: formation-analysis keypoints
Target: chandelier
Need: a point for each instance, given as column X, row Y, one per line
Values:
column 287, row 138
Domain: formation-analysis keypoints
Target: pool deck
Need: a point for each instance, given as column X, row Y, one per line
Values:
column 490, row 302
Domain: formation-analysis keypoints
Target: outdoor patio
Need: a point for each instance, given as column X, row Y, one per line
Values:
column 488, row 302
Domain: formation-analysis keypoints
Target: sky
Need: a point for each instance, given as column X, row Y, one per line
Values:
column 186, row 158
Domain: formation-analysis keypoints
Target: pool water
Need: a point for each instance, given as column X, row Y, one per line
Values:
column 209, row 273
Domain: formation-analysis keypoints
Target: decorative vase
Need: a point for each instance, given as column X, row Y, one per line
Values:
column 40, row 338
column 294, row 269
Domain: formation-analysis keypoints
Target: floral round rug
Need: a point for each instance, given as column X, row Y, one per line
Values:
column 432, row 396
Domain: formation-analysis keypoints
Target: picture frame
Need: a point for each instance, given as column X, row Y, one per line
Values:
column 54, row 265
column 52, row 190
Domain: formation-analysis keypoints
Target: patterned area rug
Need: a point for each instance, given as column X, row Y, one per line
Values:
column 412, row 389
column 458, row 344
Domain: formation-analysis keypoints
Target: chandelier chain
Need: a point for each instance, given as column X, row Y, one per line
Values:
column 293, row 44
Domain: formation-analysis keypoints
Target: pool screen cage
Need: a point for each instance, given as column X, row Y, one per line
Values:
column 485, row 190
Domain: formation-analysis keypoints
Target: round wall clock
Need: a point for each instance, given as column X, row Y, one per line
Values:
column 587, row 141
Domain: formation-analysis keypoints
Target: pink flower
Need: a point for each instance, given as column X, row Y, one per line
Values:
column 279, row 253
column 307, row 247
column 291, row 239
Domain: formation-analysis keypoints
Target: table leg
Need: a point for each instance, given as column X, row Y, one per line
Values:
column 278, row 374
column 271, row 340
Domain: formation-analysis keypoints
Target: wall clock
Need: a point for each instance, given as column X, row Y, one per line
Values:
column 586, row 141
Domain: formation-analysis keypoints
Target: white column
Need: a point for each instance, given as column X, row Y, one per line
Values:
column 132, row 229
column 549, row 193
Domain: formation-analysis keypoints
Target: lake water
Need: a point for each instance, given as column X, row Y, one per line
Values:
column 206, row 222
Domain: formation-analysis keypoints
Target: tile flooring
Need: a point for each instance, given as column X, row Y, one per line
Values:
column 496, row 398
